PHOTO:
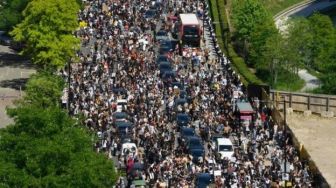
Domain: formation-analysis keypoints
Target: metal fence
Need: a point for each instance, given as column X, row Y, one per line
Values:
column 303, row 101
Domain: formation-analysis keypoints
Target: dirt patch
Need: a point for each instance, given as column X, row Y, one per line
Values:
column 318, row 137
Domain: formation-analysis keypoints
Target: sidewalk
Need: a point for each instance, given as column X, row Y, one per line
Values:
column 14, row 73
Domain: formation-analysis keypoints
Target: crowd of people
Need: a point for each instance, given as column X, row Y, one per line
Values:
column 118, row 62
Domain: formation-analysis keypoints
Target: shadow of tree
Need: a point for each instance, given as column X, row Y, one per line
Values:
column 14, row 83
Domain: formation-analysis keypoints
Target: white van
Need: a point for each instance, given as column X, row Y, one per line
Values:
column 224, row 147
column 129, row 149
column 121, row 104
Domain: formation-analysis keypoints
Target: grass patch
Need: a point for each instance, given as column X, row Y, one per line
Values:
column 275, row 6
column 286, row 81
column 289, row 82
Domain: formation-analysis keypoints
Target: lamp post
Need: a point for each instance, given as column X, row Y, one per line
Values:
column 69, row 80
column 285, row 143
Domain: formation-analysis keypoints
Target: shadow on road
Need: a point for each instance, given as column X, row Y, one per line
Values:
column 14, row 60
column 14, row 83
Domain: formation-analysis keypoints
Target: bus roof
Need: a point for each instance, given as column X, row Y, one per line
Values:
column 189, row 19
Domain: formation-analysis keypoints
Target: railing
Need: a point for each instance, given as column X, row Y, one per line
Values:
column 303, row 101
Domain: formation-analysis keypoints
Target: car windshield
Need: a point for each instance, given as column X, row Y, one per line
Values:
column 161, row 33
column 190, row 30
column 182, row 118
column 194, row 143
column 188, row 132
column 149, row 13
column 197, row 153
column 162, row 59
column 225, row 148
column 165, row 66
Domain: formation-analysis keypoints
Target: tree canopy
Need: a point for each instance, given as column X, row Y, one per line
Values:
column 47, row 32
column 47, row 148
column 11, row 13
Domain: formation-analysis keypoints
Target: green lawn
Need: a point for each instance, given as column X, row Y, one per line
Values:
column 295, row 83
column 275, row 6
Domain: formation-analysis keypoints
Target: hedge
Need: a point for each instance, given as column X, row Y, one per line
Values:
column 217, row 11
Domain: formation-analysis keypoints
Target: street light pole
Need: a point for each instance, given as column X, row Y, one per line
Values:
column 69, row 74
column 285, row 144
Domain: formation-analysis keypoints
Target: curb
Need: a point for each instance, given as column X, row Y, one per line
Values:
column 292, row 8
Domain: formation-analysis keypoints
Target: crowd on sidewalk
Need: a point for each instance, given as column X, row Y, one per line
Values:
column 118, row 62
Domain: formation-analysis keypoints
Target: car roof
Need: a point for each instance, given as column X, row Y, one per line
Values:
column 164, row 63
column 194, row 151
column 224, row 141
column 182, row 114
column 119, row 114
column 194, row 138
column 123, row 124
column 187, row 129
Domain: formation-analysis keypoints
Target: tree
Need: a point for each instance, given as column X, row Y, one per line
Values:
column 47, row 148
column 249, row 16
column 11, row 13
column 44, row 89
column 47, row 32
column 272, row 58
column 323, row 34
column 299, row 42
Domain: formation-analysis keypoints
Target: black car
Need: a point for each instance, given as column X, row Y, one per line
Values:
column 203, row 180
column 162, row 58
column 161, row 35
column 150, row 14
column 186, row 132
column 182, row 119
column 165, row 47
column 197, row 155
column 180, row 101
column 168, row 75
column 123, row 128
column 164, row 67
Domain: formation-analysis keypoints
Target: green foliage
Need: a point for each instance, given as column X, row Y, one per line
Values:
column 11, row 13
column 47, row 32
column 44, row 89
column 253, row 26
column 47, row 148
column 217, row 10
column 311, row 42
column 248, row 16
column 323, row 40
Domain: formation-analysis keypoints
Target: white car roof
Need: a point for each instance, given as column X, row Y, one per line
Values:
column 224, row 141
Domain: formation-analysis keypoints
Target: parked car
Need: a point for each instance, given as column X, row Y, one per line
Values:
column 194, row 142
column 164, row 67
column 224, row 147
column 120, row 116
column 121, row 105
column 186, row 132
column 123, row 127
column 197, row 155
column 161, row 35
column 182, row 119
column 129, row 149
column 203, row 180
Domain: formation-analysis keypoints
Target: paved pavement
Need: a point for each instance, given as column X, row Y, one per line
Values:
column 312, row 81
column 14, row 72
column 317, row 135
